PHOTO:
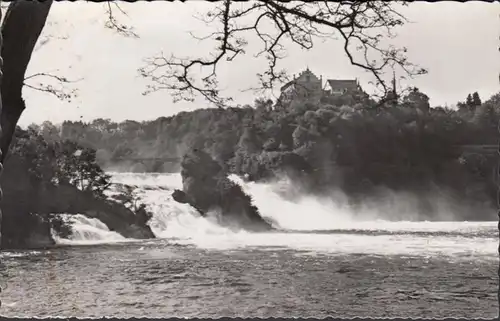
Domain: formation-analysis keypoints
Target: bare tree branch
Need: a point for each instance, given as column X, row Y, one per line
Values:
column 182, row 82
column 361, row 26
column 113, row 24
column 62, row 92
column 46, row 37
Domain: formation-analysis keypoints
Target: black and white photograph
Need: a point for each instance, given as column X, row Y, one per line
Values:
column 251, row 159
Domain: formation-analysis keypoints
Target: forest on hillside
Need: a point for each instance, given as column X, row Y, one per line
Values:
column 349, row 142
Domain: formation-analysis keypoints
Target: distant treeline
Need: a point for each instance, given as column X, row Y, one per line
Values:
column 347, row 141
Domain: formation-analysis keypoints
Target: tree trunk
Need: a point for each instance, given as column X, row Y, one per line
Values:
column 23, row 24
column 1, row 157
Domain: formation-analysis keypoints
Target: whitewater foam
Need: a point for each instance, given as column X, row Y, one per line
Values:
column 309, row 213
column 304, row 217
column 87, row 231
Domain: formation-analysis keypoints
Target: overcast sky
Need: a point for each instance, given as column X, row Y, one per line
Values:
column 457, row 43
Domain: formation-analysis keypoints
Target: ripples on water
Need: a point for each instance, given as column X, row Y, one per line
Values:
column 329, row 265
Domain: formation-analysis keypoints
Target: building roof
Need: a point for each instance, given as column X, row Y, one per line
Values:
column 293, row 81
column 343, row 84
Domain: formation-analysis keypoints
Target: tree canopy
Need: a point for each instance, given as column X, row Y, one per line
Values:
column 406, row 146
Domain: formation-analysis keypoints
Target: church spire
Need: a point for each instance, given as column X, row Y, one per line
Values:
column 394, row 83
column 392, row 94
column 394, row 90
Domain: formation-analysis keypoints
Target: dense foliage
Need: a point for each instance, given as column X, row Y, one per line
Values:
column 346, row 141
column 44, row 176
column 55, row 161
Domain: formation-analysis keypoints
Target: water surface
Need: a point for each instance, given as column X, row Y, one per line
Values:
column 328, row 261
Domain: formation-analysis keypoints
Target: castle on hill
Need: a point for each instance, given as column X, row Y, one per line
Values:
column 307, row 85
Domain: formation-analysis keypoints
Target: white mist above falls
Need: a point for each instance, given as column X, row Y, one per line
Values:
column 305, row 223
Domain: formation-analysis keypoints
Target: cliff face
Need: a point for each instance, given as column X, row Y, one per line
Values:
column 27, row 208
column 207, row 188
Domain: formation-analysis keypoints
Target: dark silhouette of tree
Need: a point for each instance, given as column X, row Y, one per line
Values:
column 476, row 101
column 417, row 99
column 21, row 28
column 469, row 106
column 469, row 101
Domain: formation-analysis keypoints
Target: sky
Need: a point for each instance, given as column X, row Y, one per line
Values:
column 457, row 42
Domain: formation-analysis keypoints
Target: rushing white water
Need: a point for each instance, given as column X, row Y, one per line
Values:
column 310, row 224
column 170, row 219
column 309, row 213
column 88, row 231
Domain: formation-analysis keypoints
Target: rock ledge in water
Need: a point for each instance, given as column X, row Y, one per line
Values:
column 207, row 189
column 23, row 231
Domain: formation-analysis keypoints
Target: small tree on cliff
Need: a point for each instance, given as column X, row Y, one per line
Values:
column 128, row 197
column 36, row 154
column 78, row 166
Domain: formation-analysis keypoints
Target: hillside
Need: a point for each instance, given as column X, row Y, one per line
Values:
column 344, row 142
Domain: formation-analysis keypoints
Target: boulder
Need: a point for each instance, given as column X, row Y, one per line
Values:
column 207, row 189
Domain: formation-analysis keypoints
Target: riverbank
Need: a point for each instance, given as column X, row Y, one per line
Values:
column 45, row 178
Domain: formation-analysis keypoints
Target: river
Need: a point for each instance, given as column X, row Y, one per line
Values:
column 326, row 261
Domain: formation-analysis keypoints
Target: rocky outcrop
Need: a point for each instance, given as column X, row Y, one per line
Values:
column 117, row 218
column 207, row 189
column 27, row 208
column 21, row 230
